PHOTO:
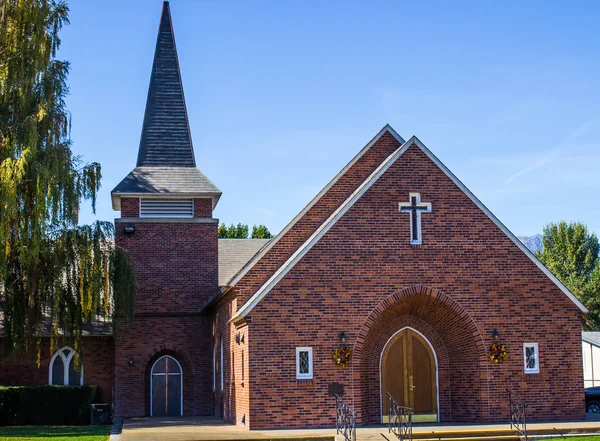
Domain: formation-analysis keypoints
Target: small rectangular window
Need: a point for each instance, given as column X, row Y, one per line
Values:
column 304, row 363
column 531, row 358
column 167, row 208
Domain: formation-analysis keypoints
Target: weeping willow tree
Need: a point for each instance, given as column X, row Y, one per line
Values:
column 55, row 276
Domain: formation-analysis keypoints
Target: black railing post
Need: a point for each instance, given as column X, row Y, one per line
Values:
column 399, row 419
column 345, row 419
column 517, row 414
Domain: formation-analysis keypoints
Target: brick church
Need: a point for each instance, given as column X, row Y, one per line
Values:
column 395, row 265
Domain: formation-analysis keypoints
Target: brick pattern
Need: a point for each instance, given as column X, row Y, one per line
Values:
column 364, row 278
column 130, row 207
column 233, row 402
column 177, row 268
column 305, row 226
column 203, row 208
column 176, row 265
column 187, row 339
column 97, row 366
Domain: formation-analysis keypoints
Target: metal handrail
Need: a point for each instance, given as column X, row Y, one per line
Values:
column 345, row 419
column 518, row 417
column 399, row 419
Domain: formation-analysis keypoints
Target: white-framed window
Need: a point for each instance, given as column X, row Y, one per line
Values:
column 222, row 367
column 304, row 363
column 531, row 360
column 62, row 368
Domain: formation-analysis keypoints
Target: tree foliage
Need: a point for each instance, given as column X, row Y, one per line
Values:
column 570, row 252
column 240, row 231
column 261, row 232
column 51, row 271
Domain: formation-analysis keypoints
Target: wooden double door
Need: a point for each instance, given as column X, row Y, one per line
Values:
column 409, row 374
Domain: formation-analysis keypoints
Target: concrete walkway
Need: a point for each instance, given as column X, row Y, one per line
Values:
column 214, row 429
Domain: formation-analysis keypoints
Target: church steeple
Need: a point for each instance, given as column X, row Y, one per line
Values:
column 166, row 138
column 166, row 167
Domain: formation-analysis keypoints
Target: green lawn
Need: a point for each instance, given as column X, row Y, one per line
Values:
column 575, row 438
column 55, row 433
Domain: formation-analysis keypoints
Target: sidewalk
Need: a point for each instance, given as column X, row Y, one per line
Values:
column 214, row 429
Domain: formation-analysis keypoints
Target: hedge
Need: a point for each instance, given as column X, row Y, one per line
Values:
column 46, row 405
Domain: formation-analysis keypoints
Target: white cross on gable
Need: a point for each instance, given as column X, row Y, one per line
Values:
column 415, row 207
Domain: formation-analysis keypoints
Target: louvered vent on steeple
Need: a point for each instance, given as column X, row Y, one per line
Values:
column 166, row 208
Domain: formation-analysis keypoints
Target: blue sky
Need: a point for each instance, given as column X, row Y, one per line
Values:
column 281, row 95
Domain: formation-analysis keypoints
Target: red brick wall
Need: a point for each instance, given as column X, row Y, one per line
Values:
column 176, row 263
column 364, row 278
column 233, row 402
column 305, row 226
column 187, row 339
column 130, row 207
column 97, row 366
column 202, row 207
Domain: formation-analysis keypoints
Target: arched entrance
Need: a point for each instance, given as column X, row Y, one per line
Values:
column 408, row 371
column 166, row 387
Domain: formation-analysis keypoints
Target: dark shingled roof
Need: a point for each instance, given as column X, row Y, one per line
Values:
column 174, row 180
column 166, row 163
column 166, row 138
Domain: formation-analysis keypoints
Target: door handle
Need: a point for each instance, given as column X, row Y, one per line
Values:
column 411, row 383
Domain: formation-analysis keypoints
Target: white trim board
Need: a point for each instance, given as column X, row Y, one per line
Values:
column 355, row 196
column 265, row 249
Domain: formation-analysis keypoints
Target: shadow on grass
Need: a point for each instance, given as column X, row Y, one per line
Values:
column 50, row 432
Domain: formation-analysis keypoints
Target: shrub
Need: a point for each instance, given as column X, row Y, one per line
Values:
column 46, row 405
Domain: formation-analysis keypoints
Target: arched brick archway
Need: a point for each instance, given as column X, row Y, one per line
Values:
column 456, row 340
column 188, row 373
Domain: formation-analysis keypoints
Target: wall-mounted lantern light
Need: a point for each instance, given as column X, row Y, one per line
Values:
column 343, row 337
column 129, row 230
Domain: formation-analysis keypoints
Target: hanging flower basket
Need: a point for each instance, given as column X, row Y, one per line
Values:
column 342, row 356
column 497, row 353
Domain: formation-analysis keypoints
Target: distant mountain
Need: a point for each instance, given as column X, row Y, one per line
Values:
column 534, row 243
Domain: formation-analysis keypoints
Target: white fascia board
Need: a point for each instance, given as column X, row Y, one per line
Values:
column 500, row 225
column 259, row 255
column 320, row 232
column 591, row 342
column 342, row 209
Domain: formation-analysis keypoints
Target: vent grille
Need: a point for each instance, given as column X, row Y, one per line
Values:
column 167, row 208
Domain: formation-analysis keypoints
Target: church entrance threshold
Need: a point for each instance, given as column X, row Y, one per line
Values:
column 408, row 372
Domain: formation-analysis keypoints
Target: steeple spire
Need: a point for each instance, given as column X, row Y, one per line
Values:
column 166, row 167
column 166, row 140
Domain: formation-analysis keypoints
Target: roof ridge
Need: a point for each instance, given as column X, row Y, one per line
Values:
column 244, row 270
column 272, row 281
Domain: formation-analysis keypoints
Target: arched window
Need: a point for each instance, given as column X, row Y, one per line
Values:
column 62, row 368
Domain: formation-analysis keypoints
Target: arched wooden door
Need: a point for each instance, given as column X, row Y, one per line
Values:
column 409, row 373
column 166, row 387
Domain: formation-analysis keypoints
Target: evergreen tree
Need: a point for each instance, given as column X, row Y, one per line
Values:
column 570, row 252
column 49, row 267
column 240, row 231
column 261, row 232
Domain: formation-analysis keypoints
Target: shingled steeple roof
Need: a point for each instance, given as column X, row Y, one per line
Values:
column 166, row 163
column 166, row 138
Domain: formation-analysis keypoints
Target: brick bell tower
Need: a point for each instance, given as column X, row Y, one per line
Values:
column 162, row 364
